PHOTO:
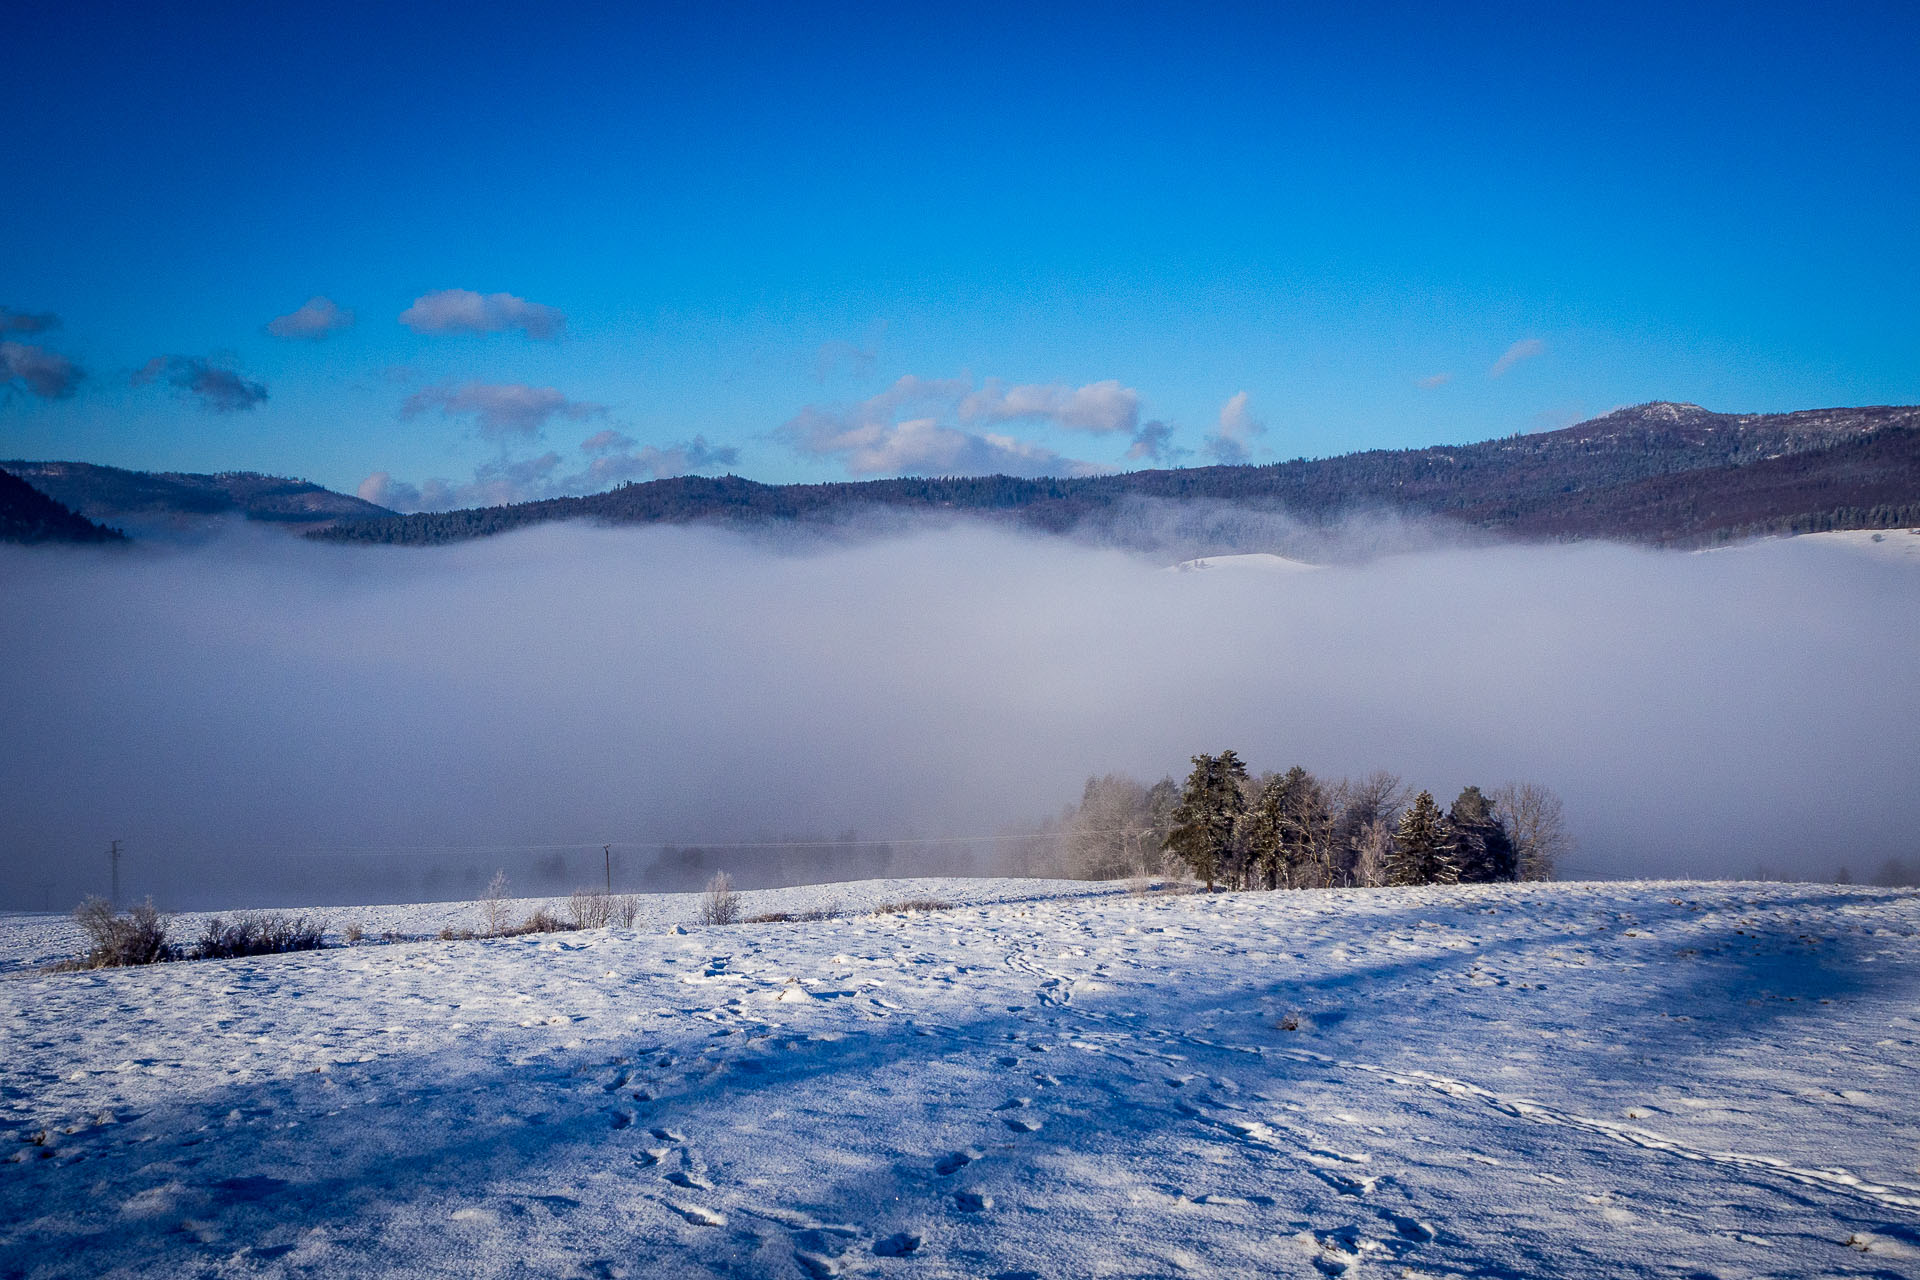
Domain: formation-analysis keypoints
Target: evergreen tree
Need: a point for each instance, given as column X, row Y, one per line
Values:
column 1484, row 851
column 1423, row 847
column 1263, row 834
column 1205, row 822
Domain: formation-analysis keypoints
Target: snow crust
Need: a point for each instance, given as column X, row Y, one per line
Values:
column 1615, row 1079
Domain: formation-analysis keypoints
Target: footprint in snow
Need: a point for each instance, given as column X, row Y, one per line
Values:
column 698, row 1215
column 898, row 1245
column 953, row 1162
column 972, row 1201
column 1019, row 1125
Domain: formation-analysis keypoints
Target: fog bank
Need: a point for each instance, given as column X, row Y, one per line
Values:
column 239, row 713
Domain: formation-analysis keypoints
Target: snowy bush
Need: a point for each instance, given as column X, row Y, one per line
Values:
column 720, row 904
column 262, row 934
column 912, row 904
column 493, row 905
column 138, row 937
column 625, row 908
column 590, row 908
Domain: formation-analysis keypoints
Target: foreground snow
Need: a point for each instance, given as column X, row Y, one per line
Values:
column 1572, row 1080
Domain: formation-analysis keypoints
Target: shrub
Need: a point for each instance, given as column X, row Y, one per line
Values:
column 794, row 917
column 259, row 934
column 543, row 920
column 720, row 904
column 912, row 904
column 590, row 908
column 355, row 933
column 138, row 937
column 626, row 907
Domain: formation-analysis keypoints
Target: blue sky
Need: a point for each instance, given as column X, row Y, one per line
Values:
column 830, row 242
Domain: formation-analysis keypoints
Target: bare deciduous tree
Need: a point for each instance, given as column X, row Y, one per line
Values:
column 1534, row 821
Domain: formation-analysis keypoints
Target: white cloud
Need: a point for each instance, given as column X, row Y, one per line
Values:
column 914, row 427
column 1097, row 407
column 1232, row 443
column 499, row 410
column 464, row 311
column 1433, row 380
column 316, row 318
column 1525, row 349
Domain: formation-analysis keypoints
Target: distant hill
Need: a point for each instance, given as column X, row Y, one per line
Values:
column 1661, row 473
column 170, row 501
column 27, row 515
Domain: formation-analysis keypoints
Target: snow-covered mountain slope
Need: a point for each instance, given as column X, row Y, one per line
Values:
column 1570, row 1080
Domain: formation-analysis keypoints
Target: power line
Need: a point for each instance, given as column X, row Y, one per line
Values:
column 315, row 851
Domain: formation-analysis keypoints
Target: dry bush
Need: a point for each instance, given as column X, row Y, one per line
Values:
column 769, row 917
column 720, row 904
column 590, row 908
column 625, row 908
column 354, row 932
column 259, row 934
column 543, row 920
column 138, row 937
column 451, row 934
column 911, row 904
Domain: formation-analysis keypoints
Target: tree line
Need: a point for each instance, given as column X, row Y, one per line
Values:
column 1292, row 830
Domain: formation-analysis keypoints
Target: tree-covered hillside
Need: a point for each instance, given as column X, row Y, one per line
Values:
column 1661, row 473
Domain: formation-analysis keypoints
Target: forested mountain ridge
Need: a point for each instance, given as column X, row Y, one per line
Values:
column 31, row 517
column 27, row 515
column 1660, row 473
column 113, row 493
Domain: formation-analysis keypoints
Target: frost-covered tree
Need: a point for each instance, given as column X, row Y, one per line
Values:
column 1205, row 822
column 1423, row 846
column 1373, row 851
column 1263, row 834
column 1104, row 837
column 1534, row 823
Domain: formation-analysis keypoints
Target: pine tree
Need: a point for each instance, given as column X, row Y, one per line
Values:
column 1484, row 851
column 1423, row 847
column 1263, row 833
column 1205, row 823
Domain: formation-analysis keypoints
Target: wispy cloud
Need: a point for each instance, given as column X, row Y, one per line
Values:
column 1525, row 349
column 613, row 458
column 857, row 357
column 499, row 410
column 12, row 321
column 37, row 371
column 918, row 426
column 464, row 311
column 1153, row 442
column 217, row 388
column 1232, row 443
column 1433, row 380
column 316, row 318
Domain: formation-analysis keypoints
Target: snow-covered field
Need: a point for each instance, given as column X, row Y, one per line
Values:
column 1672, row 1079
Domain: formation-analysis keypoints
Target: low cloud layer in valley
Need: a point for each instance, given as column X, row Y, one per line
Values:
column 240, row 712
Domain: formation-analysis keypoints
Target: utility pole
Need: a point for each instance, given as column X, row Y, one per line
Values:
column 607, row 849
column 113, row 854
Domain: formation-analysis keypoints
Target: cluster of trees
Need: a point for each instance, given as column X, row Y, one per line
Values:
column 1295, row 831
